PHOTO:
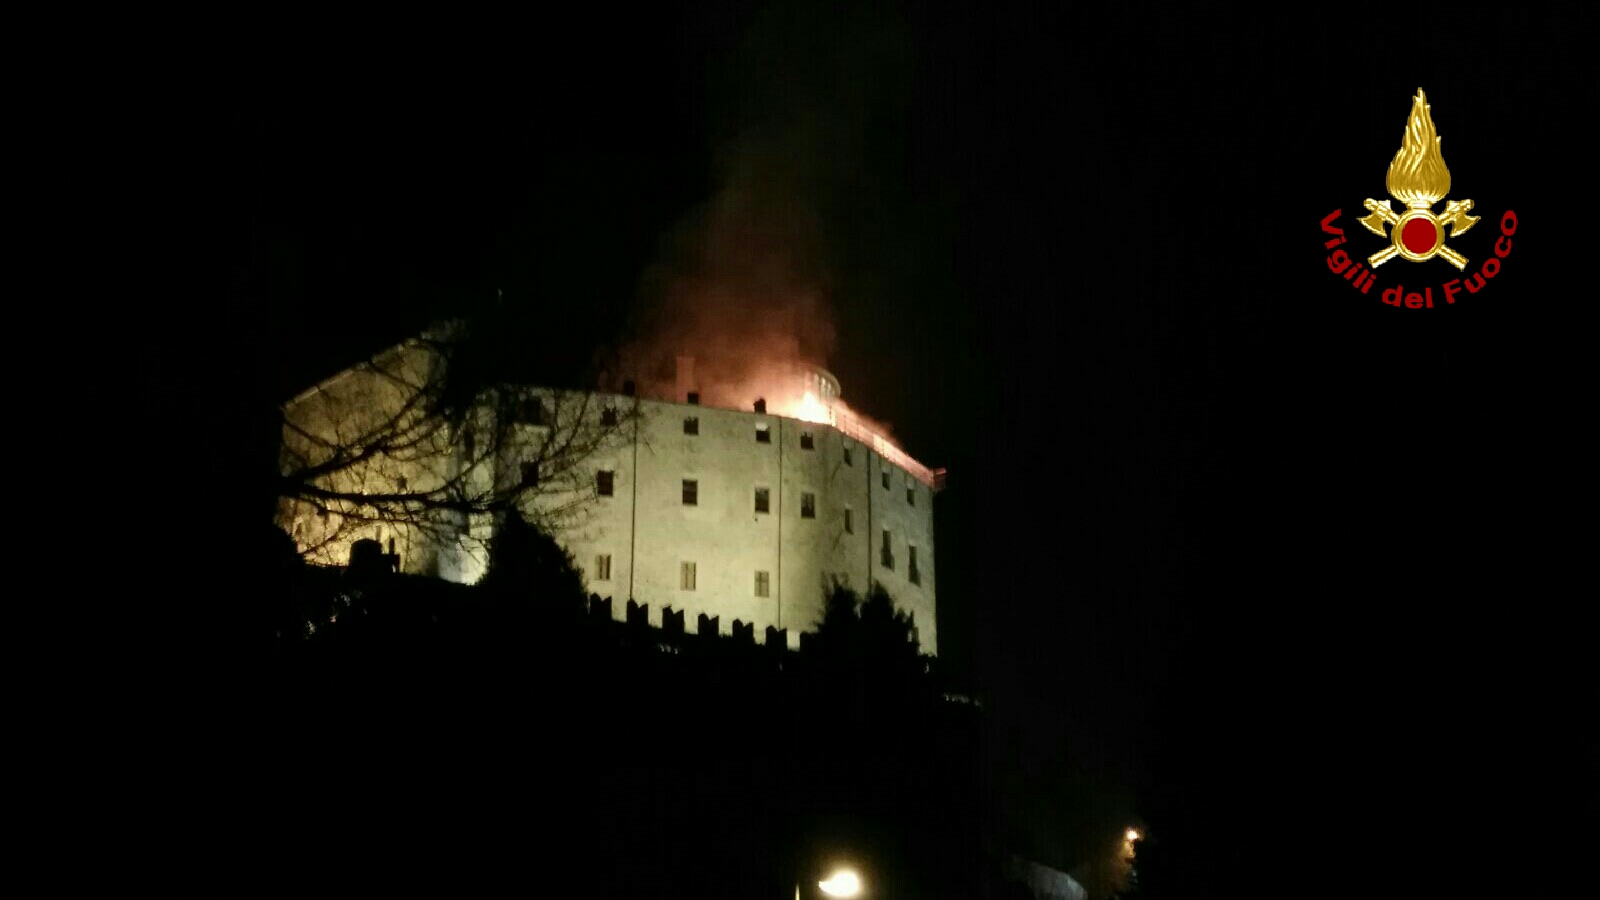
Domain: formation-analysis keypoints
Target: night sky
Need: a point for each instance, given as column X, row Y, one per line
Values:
column 1234, row 550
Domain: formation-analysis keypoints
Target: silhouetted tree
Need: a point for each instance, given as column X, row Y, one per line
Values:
column 836, row 632
column 529, row 568
column 433, row 440
column 1151, row 871
column 1108, row 872
column 888, row 634
column 871, row 636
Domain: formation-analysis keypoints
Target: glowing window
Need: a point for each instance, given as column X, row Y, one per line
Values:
column 763, row 584
column 686, row 576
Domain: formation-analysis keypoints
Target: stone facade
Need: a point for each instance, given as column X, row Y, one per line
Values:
column 731, row 513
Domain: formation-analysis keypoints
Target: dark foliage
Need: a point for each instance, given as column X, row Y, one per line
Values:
column 434, row 734
column 528, row 566
column 868, row 631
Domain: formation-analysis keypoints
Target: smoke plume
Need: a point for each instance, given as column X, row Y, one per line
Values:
column 743, row 285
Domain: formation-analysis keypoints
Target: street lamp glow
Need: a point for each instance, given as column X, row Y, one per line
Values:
column 1132, row 835
column 843, row 883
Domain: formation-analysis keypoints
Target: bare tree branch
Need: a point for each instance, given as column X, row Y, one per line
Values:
column 411, row 444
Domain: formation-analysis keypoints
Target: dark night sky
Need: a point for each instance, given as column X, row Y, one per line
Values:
column 1240, row 551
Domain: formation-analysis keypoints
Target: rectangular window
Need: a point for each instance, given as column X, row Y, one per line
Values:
column 808, row 506
column 887, row 556
column 885, row 474
column 911, row 495
column 608, row 416
column 401, row 483
column 911, row 565
column 849, row 521
column 849, row 456
column 686, row 576
column 763, row 497
column 806, row 443
column 763, row 434
column 530, row 411
column 691, row 492
column 691, row 424
column 530, row 474
column 604, row 482
column 763, row 585
column 602, row 567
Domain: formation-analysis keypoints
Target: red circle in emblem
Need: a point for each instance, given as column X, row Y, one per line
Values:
column 1418, row 235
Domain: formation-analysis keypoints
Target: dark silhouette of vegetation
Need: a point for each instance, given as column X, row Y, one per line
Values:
column 528, row 566
column 419, row 440
column 868, row 631
column 641, row 757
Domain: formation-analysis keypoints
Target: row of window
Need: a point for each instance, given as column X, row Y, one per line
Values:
column 605, row 480
column 808, row 440
column 605, row 485
column 531, row 411
column 808, row 502
column 687, row 572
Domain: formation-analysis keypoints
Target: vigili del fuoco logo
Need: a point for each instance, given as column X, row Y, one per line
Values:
column 1418, row 178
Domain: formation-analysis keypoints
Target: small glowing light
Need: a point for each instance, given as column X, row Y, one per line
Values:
column 1132, row 835
column 843, row 883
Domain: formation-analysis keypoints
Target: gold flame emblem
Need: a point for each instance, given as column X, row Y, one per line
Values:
column 1418, row 178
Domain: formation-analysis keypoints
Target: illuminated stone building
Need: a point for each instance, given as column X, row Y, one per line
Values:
column 735, row 513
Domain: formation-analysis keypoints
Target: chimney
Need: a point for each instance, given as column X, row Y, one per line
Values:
column 761, row 405
column 685, row 379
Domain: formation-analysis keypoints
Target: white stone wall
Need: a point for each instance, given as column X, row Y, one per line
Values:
column 651, row 535
column 648, row 531
column 342, row 415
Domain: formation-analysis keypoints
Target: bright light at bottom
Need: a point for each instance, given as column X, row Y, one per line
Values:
column 1132, row 835
column 842, row 883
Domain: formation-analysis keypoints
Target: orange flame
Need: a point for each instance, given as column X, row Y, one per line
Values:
column 811, row 409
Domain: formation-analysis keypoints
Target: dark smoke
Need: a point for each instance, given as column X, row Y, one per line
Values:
column 745, row 283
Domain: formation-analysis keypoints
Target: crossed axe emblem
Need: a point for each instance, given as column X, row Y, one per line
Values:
column 1417, row 234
